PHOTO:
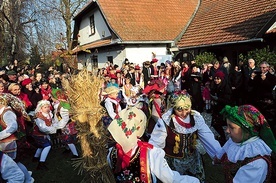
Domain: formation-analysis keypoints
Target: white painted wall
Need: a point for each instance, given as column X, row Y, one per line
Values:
column 100, row 28
column 135, row 54
column 140, row 54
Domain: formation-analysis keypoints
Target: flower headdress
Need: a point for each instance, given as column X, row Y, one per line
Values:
column 251, row 121
column 181, row 99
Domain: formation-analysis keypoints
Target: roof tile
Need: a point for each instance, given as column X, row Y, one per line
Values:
column 146, row 20
column 220, row 21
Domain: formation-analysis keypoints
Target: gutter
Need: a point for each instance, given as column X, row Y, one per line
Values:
column 144, row 42
column 225, row 43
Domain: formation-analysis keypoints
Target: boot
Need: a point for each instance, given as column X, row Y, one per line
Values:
column 42, row 166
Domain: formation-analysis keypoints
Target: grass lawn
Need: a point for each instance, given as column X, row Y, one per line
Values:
column 62, row 171
column 60, row 168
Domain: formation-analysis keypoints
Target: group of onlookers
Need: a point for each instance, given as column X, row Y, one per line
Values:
column 172, row 97
column 33, row 108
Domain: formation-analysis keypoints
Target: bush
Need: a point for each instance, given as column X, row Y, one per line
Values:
column 260, row 55
column 205, row 57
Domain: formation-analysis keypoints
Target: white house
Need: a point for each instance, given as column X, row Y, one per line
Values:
column 114, row 30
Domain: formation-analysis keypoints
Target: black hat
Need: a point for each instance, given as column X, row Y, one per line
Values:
column 11, row 72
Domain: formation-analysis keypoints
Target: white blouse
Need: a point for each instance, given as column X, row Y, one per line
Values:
column 254, row 171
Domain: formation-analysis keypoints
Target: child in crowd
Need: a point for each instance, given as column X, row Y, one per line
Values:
column 206, row 97
column 43, row 127
column 246, row 156
column 111, row 104
column 62, row 120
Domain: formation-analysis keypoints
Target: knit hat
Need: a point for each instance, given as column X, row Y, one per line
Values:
column 26, row 82
column 127, row 127
column 252, row 122
column 220, row 75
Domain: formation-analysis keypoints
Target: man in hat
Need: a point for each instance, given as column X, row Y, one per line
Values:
column 134, row 160
column 131, row 75
column 137, row 74
column 12, row 76
column 154, row 69
column 146, row 72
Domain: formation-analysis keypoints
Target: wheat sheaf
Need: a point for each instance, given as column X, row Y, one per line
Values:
column 83, row 93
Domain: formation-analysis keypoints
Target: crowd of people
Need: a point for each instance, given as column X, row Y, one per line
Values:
column 33, row 108
column 173, row 95
column 153, row 114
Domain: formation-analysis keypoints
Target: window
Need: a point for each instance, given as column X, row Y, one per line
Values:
column 92, row 25
column 94, row 59
column 110, row 59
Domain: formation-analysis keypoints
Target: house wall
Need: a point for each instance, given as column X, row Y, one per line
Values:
column 101, row 29
column 141, row 53
column 136, row 54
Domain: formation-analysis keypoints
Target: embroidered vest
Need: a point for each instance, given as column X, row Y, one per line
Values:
column 47, row 121
column 3, row 126
column 138, row 169
column 230, row 169
column 180, row 145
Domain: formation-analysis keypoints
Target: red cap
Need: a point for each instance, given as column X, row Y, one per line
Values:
column 112, row 76
column 154, row 60
column 137, row 67
column 26, row 81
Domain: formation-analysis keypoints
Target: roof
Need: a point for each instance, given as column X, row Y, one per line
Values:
column 147, row 20
column 92, row 45
column 220, row 21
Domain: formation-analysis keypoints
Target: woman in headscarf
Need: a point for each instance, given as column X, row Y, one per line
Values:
column 246, row 155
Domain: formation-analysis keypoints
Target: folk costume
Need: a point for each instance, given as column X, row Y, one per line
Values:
column 10, row 172
column 133, row 160
column 43, row 127
column 249, row 160
column 8, row 129
column 181, row 137
column 111, row 104
column 62, row 120
column 155, row 91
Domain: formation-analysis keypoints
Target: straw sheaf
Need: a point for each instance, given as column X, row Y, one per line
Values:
column 83, row 93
